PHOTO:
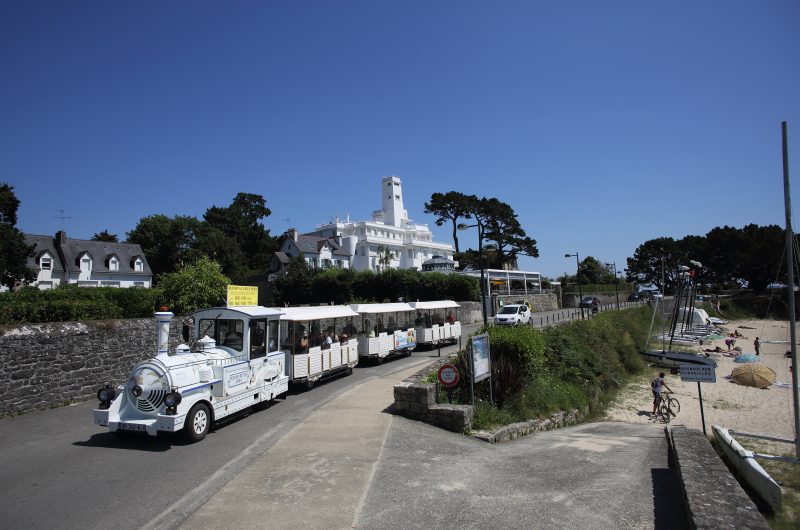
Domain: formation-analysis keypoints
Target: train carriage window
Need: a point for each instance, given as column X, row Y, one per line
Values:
column 258, row 337
column 272, row 335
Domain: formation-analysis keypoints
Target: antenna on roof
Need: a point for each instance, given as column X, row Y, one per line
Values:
column 62, row 217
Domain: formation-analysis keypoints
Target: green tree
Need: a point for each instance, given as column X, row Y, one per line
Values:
column 195, row 286
column 384, row 257
column 503, row 228
column 498, row 230
column 105, row 236
column 241, row 222
column 594, row 273
column 645, row 267
column 167, row 242
column 294, row 284
column 450, row 206
column 14, row 252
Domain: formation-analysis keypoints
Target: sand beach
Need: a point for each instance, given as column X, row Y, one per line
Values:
column 726, row 403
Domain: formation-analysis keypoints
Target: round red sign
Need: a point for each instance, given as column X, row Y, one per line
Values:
column 448, row 375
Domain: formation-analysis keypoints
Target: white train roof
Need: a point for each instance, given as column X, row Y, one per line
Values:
column 316, row 312
column 381, row 308
column 254, row 311
column 434, row 304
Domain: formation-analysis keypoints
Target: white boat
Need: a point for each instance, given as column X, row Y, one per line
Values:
column 748, row 468
column 673, row 359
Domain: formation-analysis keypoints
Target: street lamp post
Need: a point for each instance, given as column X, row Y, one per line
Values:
column 479, row 225
column 616, row 284
column 580, row 291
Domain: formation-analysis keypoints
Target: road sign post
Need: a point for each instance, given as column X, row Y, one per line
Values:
column 702, row 373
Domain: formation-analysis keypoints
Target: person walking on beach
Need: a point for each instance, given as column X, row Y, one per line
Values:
column 730, row 342
column 757, row 345
column 657, row 385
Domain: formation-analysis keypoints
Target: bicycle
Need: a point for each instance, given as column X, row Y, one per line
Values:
column 668, row 406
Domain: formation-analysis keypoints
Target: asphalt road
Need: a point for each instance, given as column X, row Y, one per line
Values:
column 595, row 475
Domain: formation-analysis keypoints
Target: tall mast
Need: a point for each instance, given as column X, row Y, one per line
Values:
column 790, row 263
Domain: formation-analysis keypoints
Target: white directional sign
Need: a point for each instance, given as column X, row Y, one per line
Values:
column 702, row 373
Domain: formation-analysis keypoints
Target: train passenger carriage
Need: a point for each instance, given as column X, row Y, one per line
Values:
column 318, row 341
column 436, row 321
column 385, row 329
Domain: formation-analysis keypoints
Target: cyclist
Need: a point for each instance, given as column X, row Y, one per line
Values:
column 657, row 385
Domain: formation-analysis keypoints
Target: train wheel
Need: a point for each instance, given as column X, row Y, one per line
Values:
column 198, row 421
column 309, row 384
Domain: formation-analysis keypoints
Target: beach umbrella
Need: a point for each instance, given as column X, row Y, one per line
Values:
column 746, row 358
column 756, row 375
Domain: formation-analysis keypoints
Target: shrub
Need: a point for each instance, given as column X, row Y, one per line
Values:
column 71, row 302
column 194, row 287
column 572, row 366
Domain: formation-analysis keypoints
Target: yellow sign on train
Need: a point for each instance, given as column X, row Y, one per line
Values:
column 242, row 295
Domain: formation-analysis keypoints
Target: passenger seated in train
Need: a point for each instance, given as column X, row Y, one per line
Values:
column 257, row 346
column 300, row 339
column 233, row 340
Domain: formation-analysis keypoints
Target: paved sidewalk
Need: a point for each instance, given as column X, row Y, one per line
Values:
column 317, row 475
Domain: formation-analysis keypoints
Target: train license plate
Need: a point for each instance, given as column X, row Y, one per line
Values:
column 132, row 427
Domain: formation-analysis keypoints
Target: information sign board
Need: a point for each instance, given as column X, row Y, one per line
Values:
column 242, row 295
column 480, row 357
column 701, row 373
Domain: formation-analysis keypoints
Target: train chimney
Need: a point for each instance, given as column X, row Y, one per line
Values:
column 163, row 318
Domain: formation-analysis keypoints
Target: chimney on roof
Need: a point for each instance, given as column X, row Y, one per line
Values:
column 61, row 237
column 292, row 232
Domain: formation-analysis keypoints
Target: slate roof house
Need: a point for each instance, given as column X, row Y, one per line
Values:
column 58, row 260
column 319, row 252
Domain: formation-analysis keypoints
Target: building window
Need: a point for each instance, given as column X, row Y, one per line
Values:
column 46, row 264
column 86, row 264
column 138, row 284
column 113, row 264
column 410, row 253
column 138, row 265
column 109, row 284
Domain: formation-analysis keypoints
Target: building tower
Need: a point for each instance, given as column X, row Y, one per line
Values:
column 392, row 197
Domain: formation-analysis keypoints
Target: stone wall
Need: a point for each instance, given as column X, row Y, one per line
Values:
column 469, row 312
column 539, row 301
column 417, row 400
column 713, row 497
column 45, row 365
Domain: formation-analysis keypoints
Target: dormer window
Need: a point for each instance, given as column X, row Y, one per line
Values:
column 84, row 261
column 46, row 263
column 138, row 265
column 112, row 262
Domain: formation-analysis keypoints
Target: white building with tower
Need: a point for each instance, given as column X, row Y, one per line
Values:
column 390, row 234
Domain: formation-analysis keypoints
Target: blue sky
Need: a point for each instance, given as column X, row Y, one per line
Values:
column 603, row 124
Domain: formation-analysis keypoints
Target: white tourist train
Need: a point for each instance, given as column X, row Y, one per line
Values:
column 235, row 358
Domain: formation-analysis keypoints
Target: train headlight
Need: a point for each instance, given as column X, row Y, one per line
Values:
column 136, row 391
column 171, row 402
column 106, row 395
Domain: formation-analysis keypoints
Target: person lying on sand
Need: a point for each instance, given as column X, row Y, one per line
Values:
column 715, row 350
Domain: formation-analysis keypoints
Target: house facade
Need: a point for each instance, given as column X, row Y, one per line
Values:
column 318, row 252
column 60, row 260
column 389, row 240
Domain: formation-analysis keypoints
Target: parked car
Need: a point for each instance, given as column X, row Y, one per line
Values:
column 635, row 296
column 513, row 315
column 590, row 302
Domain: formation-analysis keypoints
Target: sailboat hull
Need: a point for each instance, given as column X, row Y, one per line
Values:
column 673, row 359
column 747, row 468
